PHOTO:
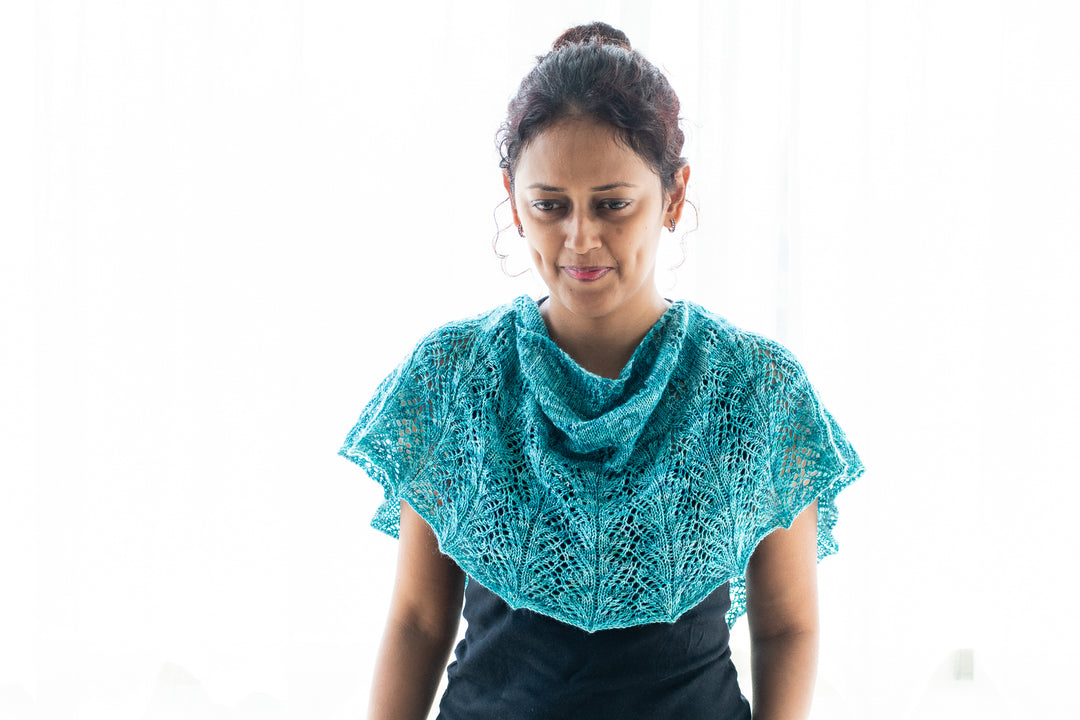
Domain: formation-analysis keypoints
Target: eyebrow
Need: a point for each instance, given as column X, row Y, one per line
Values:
column 598, row 188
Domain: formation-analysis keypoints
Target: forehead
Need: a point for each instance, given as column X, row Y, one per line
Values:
column 581, row 151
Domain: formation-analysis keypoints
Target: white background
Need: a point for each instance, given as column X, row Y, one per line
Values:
column 223, row 222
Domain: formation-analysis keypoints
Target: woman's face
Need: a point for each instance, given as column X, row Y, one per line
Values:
column 592, row 211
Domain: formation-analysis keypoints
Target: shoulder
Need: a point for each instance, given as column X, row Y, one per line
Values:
column 485, row 325
column 723, row 344
column 457, row 344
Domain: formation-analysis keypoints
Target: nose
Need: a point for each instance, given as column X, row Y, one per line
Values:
column 582, row 232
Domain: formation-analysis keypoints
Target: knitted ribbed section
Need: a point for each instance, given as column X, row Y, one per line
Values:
column 602, row 503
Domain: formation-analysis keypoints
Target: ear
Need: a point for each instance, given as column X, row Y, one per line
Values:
column 676, row 198
column 510, row 194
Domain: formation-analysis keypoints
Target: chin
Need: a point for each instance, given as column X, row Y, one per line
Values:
column 593, row 304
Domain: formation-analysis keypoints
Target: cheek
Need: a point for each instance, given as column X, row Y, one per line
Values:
column 542, row 253
column 646, row 250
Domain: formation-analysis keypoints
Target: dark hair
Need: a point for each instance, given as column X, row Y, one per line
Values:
column 593, row 72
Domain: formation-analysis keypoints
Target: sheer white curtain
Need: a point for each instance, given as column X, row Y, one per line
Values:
column 223, row 222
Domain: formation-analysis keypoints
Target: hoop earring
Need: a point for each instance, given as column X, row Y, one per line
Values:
column 521, row 230
column 671, row 229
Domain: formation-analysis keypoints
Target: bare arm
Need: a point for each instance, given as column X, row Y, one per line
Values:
column 421, row 627
column 782, row 609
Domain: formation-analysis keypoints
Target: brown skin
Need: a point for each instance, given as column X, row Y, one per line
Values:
column 573, row 217
column 571, row 220
column 782, row 609
column 421, row 627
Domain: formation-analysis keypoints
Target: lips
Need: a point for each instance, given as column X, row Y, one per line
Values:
column 586, row 274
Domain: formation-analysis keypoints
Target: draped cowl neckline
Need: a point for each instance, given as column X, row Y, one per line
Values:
column 595, row 413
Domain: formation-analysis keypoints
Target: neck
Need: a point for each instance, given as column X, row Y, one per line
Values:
column 602, row 345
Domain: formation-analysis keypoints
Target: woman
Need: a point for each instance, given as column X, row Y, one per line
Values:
column 604, row 476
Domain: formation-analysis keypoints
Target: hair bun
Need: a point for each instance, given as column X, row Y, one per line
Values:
column 598, row 32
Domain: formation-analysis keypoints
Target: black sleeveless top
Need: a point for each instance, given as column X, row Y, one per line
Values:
column 521, row 665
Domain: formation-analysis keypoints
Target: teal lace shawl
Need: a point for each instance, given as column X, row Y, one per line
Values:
column 602, row 503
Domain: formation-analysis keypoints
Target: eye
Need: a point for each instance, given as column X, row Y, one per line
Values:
column 614, row 204
column 545, row 205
